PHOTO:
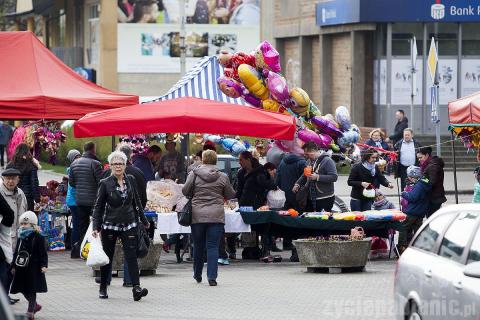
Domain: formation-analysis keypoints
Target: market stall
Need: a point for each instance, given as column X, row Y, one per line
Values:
column 464, row 124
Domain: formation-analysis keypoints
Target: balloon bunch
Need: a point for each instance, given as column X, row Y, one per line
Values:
column 234, row 146
column 256, row 78
column 470, row 136
column 138, row 143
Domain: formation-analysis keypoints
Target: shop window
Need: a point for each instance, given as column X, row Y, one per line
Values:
column 470, row 39
column 402, row 33
column 447, row 36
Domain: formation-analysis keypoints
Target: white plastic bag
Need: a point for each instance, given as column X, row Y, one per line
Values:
column 85, row 246
column 276, row 199
column 96, row 256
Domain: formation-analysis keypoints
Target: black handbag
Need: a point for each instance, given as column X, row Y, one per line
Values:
column 143, row 241
column 185, row 215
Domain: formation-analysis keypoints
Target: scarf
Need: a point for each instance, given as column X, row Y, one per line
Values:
column 370, row 167
column 378, row 144
column 424, row 165
column 25, row 232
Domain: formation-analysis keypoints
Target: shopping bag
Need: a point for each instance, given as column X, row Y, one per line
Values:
column 276, row 199
column 96, row 256
column 85, row 246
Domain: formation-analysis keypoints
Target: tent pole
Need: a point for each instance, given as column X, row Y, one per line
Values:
column 454, row 168
column 113, row 143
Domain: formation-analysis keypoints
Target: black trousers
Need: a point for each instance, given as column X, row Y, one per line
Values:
column 321, row 204
column 230, row 248
column 129, row 242
column 2, row 154
column 83, row 214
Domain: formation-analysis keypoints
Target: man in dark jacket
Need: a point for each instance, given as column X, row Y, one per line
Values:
column 407, row 155
column 432, row 169
column 147, row 162
column 85, row 175
column 288, row 172
column 402, row 124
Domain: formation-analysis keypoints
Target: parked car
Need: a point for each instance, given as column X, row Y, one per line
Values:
column 229, row 165
column 438, row 276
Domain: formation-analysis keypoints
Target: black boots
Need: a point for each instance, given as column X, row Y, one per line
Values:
column 75, row 253
column 138, row 293
column 102, row 294
column 212, row 283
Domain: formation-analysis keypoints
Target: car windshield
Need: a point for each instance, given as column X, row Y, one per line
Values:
column 474, row 254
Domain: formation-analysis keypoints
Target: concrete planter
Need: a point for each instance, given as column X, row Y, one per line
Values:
column 147, row 265
column 346, row 255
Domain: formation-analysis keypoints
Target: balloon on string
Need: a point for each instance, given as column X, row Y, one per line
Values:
column 252, row 81
column 342, row 116
column 307, row 135
column 326, row 126
column 267, row 57
column 349, row 137
column 213, row 138
column 234, row 146
column 277, row 85
column 299, row 101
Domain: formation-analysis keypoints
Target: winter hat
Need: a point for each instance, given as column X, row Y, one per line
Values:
column 29, row 217
column 72, row 154
column 414, row 172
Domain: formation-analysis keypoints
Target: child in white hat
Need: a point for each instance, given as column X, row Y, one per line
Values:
column 30, row 262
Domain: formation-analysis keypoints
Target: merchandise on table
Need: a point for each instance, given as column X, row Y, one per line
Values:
column 384, row 215
column 163, row 195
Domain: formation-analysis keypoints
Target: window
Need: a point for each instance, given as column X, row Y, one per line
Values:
column 427, row 238
column 402, row 33
column 457, row 236
column 470, row 39
column 447, row 36
column 474, row 254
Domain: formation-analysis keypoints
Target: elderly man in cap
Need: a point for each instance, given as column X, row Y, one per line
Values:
column 17, row 203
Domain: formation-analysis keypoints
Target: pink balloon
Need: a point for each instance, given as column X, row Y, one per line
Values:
column 230, row 87
column 291, row 146
column 277, row 85
column 326, row 140
column 307, row 135
column 267, row 57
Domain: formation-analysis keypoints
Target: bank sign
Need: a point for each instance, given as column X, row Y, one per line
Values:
column 336, row 12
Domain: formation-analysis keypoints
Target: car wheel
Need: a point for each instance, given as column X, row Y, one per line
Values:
column 413, row 312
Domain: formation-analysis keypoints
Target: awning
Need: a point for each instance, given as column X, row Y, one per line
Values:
column 187, row 115
column 465, row 111
column 35, row 84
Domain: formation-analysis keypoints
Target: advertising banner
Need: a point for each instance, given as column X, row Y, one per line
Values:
column 447, row 73
column 149, row 32
column 402, row 82
column 470, row 77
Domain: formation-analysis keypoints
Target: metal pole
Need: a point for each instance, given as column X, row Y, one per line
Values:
column 454, row 168
column 182, row 38
column 412, row 72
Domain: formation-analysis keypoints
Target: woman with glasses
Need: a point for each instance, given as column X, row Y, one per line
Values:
column 362, row 176
column 115, row 215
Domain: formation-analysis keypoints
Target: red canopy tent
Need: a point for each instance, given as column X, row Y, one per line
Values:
column 35, row 84
column 465, row 111
column 187, row 115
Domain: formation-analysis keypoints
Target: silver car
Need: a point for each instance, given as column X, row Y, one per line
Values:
column 438, row 276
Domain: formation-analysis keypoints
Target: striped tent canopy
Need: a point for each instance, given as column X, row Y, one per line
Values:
column 201, row 82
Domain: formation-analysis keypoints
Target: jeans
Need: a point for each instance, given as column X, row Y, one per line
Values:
column 206, row 235
column 360, row 205
column 129, row 242
column 410, row 226
column 83, row 214
column 321, row 204
column 126, row 274
column 75, row 232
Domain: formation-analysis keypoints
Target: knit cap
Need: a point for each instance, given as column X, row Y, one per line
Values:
column 414, row 172
column 29, row 217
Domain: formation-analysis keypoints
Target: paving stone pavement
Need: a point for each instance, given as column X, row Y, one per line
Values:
column 246, row 290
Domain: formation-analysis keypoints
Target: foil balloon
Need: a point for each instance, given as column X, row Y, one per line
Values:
column 313, row 110
column 212, row 138
column 251, row 99
column 251, row 79
column 332, row 119
column 230, row 87
column 326, row 126
column 307, row 135
column 349, row 137
column 275, row 155
column 292, row 146
column 277, row 85
column 270, row 105
column 234, row 146
column 326, row 141
column 266, row 57
column 299, row 101
column 342, row 116
column 231, row 62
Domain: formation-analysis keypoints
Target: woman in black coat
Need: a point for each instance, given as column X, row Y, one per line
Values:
column 24, row 162
column 362, row 176
column 254, row 182
column 30, row 262
column 377, row 139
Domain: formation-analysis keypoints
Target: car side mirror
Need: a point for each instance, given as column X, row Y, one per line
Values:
column 472, row 270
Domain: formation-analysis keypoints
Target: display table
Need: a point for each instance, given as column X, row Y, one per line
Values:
column 295, row 228
column 168, row 223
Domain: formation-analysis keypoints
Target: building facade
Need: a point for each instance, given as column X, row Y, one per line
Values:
column 357, row 53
